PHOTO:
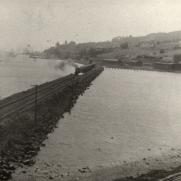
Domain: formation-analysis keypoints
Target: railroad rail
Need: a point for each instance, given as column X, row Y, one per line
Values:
column 25, row 100
column 174, row 177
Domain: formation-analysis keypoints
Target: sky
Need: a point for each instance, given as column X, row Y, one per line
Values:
column 41, row 23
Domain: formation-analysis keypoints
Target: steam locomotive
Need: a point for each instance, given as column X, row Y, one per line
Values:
column 84, row 69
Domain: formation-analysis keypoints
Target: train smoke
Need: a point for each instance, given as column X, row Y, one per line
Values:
column 63, row 64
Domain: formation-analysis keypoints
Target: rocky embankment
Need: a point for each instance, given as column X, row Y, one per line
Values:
column 22, row 135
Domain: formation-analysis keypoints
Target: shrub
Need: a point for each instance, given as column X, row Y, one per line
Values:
column 124, row 45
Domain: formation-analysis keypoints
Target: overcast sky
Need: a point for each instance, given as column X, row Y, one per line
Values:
column 43, row 22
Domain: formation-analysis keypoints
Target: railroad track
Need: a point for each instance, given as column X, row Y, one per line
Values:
column 174, row 177
column 25, row 100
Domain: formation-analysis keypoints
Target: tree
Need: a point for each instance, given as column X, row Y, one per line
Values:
column 92, row 52
column 57, row 45
column 82, row 53
column 124, row 45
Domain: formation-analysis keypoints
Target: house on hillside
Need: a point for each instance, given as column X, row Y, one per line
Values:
column 167, row 59
column 109, row 61
column 146, row 59
column 135, row 63
column 147, row 44
column 178, row 45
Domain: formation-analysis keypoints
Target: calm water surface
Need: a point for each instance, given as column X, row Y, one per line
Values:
column 20, row 73
column 124, row 114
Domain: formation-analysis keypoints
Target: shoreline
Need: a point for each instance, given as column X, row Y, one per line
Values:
column 151, row 168
column 143, row 68
column 22, row 135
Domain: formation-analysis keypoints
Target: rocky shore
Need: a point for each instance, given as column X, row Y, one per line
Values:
column 149, row 169
column 22, row 136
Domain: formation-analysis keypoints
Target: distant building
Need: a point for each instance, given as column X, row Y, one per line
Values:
column 179, row 44
column 163, row 66
column 110, row 60
column 147, row 44
column 146, row 59
column 135, row 63
column 167, row 59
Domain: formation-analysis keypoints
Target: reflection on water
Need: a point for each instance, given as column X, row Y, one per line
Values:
column 19, row 73
column 125, row 115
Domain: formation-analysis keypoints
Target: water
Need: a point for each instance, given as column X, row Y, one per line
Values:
column 125, row 115
column 20, row 73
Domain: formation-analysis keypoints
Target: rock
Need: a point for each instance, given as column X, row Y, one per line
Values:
column 5, row 174
column 28, row 162
column 84, row 170
column 50, row 177
column 81, row 171
column 11, row 167
column 59, row 165
column 43, row 144
column 32, row 153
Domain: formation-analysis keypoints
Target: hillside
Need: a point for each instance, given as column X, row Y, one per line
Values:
column 154, row 44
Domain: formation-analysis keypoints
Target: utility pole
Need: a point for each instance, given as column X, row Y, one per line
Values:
column 35, row 102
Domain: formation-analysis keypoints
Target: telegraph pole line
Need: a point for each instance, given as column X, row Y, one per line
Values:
column 35, row 102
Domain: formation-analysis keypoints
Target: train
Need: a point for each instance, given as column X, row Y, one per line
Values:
column 84, row 69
